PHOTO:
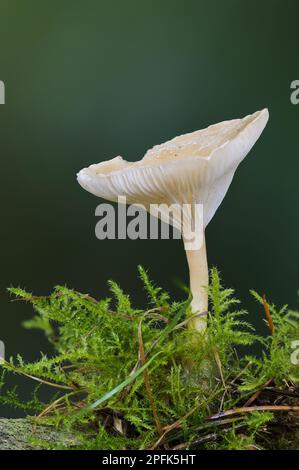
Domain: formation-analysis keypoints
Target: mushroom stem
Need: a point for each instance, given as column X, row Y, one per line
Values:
column 199, row 280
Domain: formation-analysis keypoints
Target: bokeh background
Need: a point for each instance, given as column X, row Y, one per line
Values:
column 89, row 80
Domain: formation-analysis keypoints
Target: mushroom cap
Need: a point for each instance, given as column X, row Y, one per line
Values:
column 192, row 168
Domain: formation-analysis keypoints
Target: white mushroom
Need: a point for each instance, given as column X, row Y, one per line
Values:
column 195, row 168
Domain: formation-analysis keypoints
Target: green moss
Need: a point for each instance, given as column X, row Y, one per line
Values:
column 110, row 395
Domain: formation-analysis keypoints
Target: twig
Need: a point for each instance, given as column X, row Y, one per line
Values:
column 203, row 427
column 257, row 393
column 250, row 409
column 285, row 393
column 175, row 425
column 201, row 440
column 212, row 437
column 178, row 424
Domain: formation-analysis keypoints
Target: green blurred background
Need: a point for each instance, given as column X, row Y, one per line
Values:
column 89, row 80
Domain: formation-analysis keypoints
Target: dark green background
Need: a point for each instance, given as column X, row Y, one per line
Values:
column 89, row 80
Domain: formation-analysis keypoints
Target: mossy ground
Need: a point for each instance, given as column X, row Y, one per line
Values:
column 20, row 434
column 126, row 378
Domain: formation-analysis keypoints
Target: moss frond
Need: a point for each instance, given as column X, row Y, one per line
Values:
column 108, row 397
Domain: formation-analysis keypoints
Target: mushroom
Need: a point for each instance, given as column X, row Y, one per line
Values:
column 195, row 168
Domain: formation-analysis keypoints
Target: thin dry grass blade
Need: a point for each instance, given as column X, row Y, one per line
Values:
column 268, row 314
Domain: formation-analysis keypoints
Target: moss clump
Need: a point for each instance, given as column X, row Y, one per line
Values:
column 126, row 378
